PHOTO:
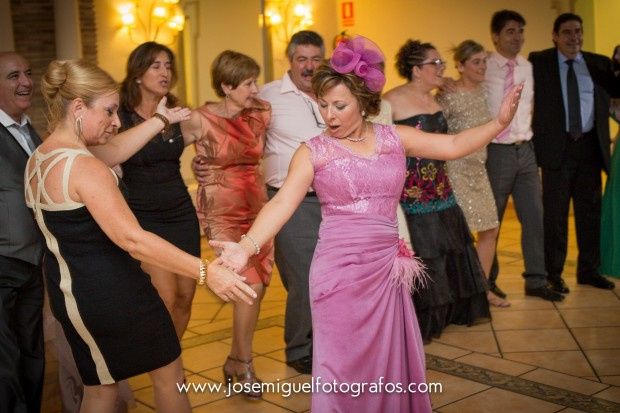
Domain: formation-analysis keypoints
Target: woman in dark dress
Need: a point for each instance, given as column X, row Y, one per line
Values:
column 156, row 192
column 439, row 233
column 113, row 318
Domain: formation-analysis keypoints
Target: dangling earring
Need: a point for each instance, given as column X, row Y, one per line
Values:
column 78, row 126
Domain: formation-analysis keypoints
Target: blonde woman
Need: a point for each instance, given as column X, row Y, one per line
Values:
column 113, row 318
column 464, row 108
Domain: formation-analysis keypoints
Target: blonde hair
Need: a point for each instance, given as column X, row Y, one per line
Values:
column 465, row 50
column 66, row 80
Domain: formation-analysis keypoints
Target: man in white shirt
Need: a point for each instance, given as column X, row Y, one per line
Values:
column 21, row 248
column 511, row 163
column 295, row 118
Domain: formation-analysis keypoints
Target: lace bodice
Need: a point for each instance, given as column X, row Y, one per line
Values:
column 349, row 183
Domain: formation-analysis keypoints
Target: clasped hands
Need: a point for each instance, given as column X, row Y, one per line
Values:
column 231, row 255
column 222, row 277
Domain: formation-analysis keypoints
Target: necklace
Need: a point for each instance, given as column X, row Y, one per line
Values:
column 361, row 138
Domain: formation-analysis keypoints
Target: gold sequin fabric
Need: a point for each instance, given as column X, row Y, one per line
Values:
column 468, row 175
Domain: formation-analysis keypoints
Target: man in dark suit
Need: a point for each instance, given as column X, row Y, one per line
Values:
column 21, row 248
column 572, row 89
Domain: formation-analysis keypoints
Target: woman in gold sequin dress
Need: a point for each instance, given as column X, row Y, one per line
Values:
column 465, row 108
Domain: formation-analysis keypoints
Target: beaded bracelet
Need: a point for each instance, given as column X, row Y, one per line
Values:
column 163, row 119
column 256, row 247
column 202, row 275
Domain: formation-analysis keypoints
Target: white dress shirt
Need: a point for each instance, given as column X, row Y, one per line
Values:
column 295, row 118
column 497, row 67
column 20, row 130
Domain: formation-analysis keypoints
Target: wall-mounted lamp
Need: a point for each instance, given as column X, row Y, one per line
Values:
column 286, row 17
column 155, row 20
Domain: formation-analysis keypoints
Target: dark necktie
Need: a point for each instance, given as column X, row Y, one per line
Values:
column 574, row 104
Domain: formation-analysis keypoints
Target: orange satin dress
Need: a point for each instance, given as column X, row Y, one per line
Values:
column 234, row 193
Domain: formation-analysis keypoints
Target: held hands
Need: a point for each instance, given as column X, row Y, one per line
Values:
column 231, row 254
column 227, row 285
column 174, row 115
column 509, row 106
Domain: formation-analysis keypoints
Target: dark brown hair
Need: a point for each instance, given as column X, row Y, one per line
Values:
column 411, row 54
column 139, row 61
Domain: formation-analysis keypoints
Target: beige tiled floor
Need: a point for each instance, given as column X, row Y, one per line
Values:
column 534, row 356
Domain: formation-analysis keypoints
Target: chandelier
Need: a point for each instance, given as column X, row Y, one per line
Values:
column 154, row 20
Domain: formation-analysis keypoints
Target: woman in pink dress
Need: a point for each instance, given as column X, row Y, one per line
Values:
column 367, row 343
column 230, row 137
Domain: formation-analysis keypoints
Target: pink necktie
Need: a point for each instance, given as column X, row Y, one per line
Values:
column 509, row 82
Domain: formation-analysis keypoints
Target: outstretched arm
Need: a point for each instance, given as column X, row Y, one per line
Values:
column 446, row 147
column 122, row 146
column 274, row 214
column 93, row 184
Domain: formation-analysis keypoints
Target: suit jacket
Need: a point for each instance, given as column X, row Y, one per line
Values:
column 19, row 234
column 549, row 117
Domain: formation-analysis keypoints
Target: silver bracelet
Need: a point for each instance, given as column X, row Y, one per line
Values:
column 256, row 247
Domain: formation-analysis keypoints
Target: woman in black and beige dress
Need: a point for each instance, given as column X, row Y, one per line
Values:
column 113, row 318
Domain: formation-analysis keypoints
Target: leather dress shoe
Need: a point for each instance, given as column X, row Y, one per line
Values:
column 557, row 284
column 302, row 365
column 545, row 293
column 597, row 281
column 497, row 291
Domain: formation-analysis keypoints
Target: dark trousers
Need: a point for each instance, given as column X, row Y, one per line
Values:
column 22, row 360
column 579, row 179
column 294, row 248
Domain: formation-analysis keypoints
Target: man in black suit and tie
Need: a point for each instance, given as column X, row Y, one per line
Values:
column 572, row 89
column 21, row 248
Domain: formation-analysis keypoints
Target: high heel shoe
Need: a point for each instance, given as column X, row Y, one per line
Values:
column 247, row 377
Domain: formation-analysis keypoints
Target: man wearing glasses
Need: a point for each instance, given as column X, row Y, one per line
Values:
column 295, row 118
column 511, row 163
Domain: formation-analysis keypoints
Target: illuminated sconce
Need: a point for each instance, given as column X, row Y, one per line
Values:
column 155, row 20
column 286, row 17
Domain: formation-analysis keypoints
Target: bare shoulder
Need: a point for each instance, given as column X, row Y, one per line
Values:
column 393, row 95
column 91, row 171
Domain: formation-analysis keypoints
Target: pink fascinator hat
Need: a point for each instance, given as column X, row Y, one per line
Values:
column 362, row 57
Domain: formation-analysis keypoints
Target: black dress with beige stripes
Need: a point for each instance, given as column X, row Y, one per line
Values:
column 114, row 319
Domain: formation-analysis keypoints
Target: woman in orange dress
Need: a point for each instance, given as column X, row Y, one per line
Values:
column 230, row 137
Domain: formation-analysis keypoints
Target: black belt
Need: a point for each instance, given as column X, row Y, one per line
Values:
column 589, row 134
column 274, row 189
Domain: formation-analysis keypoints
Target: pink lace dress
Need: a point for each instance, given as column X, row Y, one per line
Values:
column 365, row 332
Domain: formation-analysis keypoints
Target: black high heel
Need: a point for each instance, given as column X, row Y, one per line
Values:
column 248, row 376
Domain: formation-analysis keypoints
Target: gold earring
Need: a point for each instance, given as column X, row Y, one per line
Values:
column 78, row 126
